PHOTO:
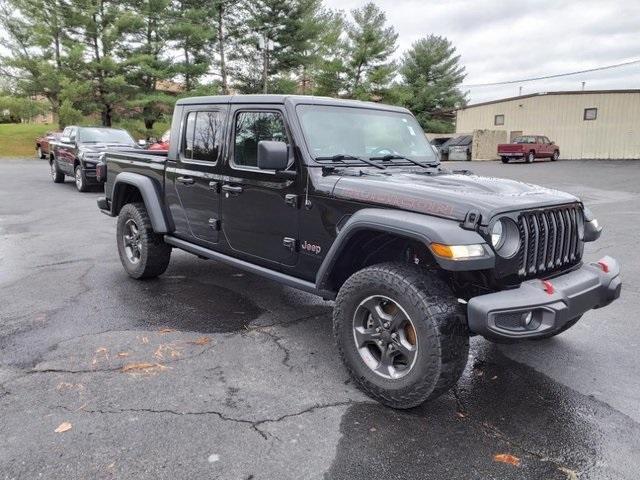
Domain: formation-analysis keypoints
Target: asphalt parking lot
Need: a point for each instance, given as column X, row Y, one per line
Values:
column 208, row 372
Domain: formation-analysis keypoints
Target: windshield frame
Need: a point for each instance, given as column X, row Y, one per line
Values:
column 388, row 109
column 81, row 140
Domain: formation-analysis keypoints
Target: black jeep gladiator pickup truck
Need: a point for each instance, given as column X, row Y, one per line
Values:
column 346, row 199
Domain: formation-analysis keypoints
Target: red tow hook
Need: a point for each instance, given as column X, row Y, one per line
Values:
column 603, row 266
column 548, row 287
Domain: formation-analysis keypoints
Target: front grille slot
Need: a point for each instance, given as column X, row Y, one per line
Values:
column 550, row 239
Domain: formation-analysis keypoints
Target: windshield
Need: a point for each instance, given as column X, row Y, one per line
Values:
column 104, row 135
column 363, row 132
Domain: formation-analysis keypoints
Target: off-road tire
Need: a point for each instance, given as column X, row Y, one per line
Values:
column 440, row 328
column 505, row 159
column 555, row 156
column 56, row 175
column 80, row 179
column 154, row 252
column 530, row 158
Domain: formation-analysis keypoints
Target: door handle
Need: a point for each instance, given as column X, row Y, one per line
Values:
column 185, row 180
column 235, row 189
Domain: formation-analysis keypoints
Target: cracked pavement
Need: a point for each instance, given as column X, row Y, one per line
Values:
column 209, row 372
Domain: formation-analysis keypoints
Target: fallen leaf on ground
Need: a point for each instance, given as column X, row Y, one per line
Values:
column 507, row 458
column 201, row 341
column 63, row 427
column 165, row 349
column 144, row 340
column 123, row 354
column 461, row 415
column 495, row 377
column 373, row 429
column 571, row 475
column 143, row 367
column 167, row 330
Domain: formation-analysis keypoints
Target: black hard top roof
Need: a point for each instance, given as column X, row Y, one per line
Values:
column 286, row 99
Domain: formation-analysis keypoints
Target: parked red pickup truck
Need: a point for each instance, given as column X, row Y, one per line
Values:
column 529, row 147
column 42, row 143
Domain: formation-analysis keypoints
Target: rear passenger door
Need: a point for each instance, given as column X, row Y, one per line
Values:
column 196, row 177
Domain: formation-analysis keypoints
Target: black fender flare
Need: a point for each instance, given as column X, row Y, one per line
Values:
column 423, row 228
column 151, row 196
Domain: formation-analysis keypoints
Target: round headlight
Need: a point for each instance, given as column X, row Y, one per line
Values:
column 505, row 237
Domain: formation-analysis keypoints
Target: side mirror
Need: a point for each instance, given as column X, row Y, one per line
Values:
column 552, row 142
column 142, row 143
column 272, row 155
column 65, row 139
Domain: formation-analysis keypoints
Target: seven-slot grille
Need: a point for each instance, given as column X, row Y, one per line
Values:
column 550, row 239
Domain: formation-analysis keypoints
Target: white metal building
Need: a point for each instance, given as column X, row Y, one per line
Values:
column 600, row 124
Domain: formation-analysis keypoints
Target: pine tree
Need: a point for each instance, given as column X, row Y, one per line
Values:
column 192, row 39
column 96, row 26
column 145, row 26
column 34, row 39
column 370, row 44
column 431, row 80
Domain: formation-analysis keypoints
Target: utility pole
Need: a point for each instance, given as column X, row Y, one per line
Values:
column 583, row 83
column 265, row 45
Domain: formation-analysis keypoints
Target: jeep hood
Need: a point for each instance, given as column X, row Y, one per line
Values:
column 448, row 195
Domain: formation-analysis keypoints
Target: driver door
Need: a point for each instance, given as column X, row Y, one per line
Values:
column 259, row 208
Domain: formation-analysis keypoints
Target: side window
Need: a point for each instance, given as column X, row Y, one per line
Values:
column 251, row 128
column 72, row 134
column 202, row 136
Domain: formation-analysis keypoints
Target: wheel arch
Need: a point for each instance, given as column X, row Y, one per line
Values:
column 130, row 187
column 376, row 235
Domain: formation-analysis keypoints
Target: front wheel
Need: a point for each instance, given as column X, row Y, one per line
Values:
column 555, row 156
column 143, row 253
column 505, row 159
column 530, row 157
column 401, row 334
column 81, row 179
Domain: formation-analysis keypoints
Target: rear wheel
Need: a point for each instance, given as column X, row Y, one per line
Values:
column 143, row 252
column 56, row 175
column 530, row 157
column 505, row 159
column 401, row 334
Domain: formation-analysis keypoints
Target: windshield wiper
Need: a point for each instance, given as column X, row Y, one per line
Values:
column 386, row 158
column 341, row 157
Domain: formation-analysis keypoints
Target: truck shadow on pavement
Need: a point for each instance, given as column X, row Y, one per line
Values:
column 499, row 407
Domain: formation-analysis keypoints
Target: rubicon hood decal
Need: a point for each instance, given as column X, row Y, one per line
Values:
column 447, row 195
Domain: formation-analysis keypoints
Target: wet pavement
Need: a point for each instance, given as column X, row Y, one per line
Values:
column 209, row 372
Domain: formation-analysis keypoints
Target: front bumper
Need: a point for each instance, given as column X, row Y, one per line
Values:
column 505, row 314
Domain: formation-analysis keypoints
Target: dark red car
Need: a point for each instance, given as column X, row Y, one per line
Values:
column 528, row 148
column 163, row 143
column 42, row 143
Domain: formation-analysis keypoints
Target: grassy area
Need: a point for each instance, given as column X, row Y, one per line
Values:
column 19, row 139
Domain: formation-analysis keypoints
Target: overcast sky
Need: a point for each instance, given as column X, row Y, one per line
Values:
column 509, row 40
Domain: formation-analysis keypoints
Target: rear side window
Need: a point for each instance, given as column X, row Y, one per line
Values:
column 202, row 136
column 251, row 128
